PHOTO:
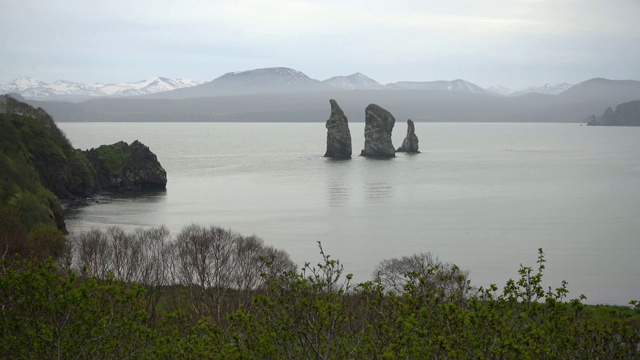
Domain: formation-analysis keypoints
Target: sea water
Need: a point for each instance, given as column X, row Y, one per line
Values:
column 483, row 196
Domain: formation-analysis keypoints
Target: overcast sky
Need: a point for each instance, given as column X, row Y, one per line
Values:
column 515, row 43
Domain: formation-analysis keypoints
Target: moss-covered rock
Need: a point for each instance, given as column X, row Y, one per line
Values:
column 121, row 166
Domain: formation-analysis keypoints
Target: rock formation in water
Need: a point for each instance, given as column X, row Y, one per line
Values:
column 121, row 166
column 338, row 134
column 410, row 143
column 626, row 114
column 377, row 132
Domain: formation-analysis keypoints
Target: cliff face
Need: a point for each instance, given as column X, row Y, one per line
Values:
column 626, row 114
column 38, row 166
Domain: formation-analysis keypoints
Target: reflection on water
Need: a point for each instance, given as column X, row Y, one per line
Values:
column 378, row 190
column 338, row 194
column 134, row 208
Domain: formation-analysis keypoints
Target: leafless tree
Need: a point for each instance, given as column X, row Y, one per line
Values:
column 93, row 252
column 203, row 264
column 126, row 254
column 212, row 269
column 423, row 270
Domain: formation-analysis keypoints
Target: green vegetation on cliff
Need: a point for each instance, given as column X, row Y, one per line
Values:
column 112, row 158
column 26, row 205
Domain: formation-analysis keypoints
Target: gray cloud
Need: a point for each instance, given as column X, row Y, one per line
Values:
column 515, row 43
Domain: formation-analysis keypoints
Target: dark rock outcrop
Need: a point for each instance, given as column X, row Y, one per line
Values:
column 410, row 143
column 626, row 114
column 377, row 132
column 121, row 166
column 338, row 134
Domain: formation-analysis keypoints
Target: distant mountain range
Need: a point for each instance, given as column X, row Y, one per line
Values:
column 285, row 80
column 62, row 89
column 258, row 81
column 269, row 95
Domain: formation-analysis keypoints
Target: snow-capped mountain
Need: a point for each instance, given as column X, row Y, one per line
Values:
column 355, row 81
column 500, row 90
column 457, row 85
column 30, row 88
column 549, row 89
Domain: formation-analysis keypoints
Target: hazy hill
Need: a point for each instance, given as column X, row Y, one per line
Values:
column 355, row 81
column 610, row 90
column 267, row 80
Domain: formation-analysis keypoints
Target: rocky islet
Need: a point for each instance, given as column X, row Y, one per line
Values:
column 379, row 125
column 338, row 134
column 410, row 143
column 377, row 132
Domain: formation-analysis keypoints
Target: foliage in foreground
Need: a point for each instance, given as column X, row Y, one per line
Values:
column 51, row 311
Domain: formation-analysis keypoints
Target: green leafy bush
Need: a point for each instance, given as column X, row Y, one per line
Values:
column 53, row 311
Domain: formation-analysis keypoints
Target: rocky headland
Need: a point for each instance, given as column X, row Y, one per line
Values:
column 410, row 143
column 39, row 167
column 626, row 114
column 377, row 133
column 338, row 134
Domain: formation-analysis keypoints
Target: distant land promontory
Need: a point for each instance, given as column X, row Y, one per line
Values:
column 626, row 114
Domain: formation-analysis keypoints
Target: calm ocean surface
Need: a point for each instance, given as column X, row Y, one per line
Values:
column 483, row 196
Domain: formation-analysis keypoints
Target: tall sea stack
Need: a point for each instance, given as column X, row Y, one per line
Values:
column 410, row 143
column 338, row 134
column 377, row 132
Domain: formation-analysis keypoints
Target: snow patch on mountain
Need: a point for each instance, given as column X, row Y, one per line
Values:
column 30, row 88
column 457, row 85
column 500, row 90
column 548, row 89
